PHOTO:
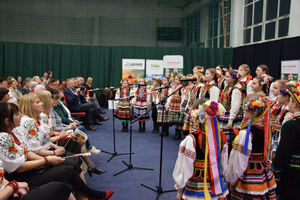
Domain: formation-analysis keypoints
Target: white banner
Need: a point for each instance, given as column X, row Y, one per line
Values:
column 173, row 61
column 133, row 63
column 290, row 69
column 154, row 68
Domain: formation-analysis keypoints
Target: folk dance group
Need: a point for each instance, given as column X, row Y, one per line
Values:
column 242, row 133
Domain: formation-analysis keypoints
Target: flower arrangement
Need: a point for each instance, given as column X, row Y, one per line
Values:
column 201, row 70
column 256, row 104
column 236, row 74
column 265, row 79
column 209, row 108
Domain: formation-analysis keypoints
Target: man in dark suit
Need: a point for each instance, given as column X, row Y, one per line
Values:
column 73, row 98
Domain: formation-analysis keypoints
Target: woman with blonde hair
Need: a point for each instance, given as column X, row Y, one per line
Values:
column 31, row 131
column 245, row 80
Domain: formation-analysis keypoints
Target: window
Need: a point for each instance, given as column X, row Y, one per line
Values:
column 265, row 20
column 219, row 23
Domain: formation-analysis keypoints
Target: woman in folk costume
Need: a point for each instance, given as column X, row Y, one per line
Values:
column 221, row 70
column 123, row 111
column 162, row 113
column 249, row 167
column 185, row 106
column 141, row 104
column 194, row 94
column 173, row 107
column 279, row 114
column 211, row 90
column 154, row 98
column 198, row 169
column 245, row 80
column 231, row 99
column 286, row 163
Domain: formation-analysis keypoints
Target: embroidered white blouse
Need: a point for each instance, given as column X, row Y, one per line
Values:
column 32, row 135
column 11, row 154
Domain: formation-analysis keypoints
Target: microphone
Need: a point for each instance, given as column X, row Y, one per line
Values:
column 137, row 84
column 94, row 90
column 163, row 87
column 188, row 79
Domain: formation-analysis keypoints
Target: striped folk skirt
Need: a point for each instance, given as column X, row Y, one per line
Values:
column 223, row 121
column 123, row 113
column 160, row 119
column 257, row 182
column 174, row 110
column 139, row 109
column 194, row 189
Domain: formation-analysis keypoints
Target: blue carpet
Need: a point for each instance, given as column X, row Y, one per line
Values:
column 146, row 147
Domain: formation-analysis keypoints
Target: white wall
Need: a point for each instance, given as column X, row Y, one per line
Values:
column 90, row 22
column 237, row 21
column 294, row 28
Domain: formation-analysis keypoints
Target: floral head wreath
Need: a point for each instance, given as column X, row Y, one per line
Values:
column 236, row 74
column 259, row 103
column 293, row 88
column 262, row 104
column 201, row 70
column 209, row 108
column 284, row 90
column 266, row 79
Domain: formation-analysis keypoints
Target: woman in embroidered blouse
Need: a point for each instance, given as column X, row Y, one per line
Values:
column 32, row 132
column 211, row 90
column 24, row 165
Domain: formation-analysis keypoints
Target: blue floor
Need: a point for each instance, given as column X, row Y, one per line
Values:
column 146, row 147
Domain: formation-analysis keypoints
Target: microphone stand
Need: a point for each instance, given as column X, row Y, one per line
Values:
column 159, row 190
column 129, row 165
column 114, row 153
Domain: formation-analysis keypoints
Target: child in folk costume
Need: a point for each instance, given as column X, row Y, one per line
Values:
column 198, row 169
column 259, row 86
column 154, row 100
column 211, row 90
column 197, row 70
column 162, row 113
column 249, row 167
column 194, row 94
column 280, row 114
column 185, row 106
column 220, row 70
column 231, row 99
column 173, row 107
column 141, row 104
column 123, row 111
column 286, row 163
column 245, row 80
